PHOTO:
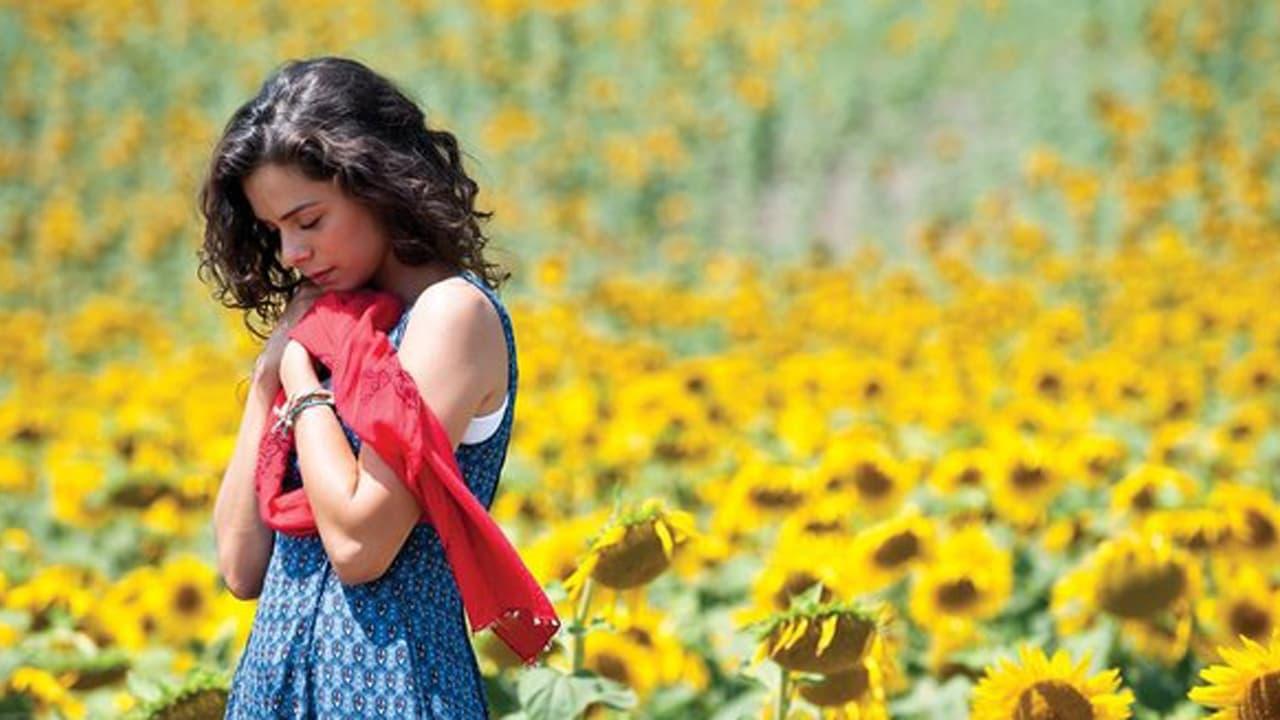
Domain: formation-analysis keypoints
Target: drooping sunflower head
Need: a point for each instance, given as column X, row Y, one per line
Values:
column 1246, row 685
column 633, row 548
column 858, row 692
column 1143, row 576
column 1039, row 687
column 1143, row 581
column 813, row 636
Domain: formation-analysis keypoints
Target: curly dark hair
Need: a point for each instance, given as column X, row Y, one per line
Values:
column 332, row 116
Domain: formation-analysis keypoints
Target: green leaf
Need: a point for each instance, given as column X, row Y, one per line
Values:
column 548, row 694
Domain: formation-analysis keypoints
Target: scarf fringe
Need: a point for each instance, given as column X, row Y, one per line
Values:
column 511, row 622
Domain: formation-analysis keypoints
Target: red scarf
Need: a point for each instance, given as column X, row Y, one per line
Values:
column 347, row 333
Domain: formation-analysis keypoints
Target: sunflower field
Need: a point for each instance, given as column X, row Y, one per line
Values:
column 877, row 359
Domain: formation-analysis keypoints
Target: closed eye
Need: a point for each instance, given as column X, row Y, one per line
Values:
column 312, row 224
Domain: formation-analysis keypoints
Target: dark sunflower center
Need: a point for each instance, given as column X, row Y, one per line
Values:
column 612, row 667
column 871, row 481
column 897, row 550
column 1262, row 698
column 775, row 498
column 640, row 635
column 1052, row 700
column 1050, row 384
column 1099, row 465
column 1145, row 499
column 1028, row 478
column 957, row 595
column 970, row 477
column 188, row 600
column 1262, row 533
column 1261, row 379
column 823, row 527
column 1250, row 620
column 1241, row 431
column 210, row 702
column 1143, row 593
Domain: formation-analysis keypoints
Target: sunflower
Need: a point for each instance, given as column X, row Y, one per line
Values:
column 814, row 636
column 187, row 587
column 127, row 614
column 1096, row 458
column 794, row 566
column 969, row 580
column 883, row 553
column 1254, row 521
column 962, row 468
column 1247, row 604
column 866, row 475
column 1197, row 530
column 1145, row 582
column 758, row 493
column 857, row 693
column 1065, row 535
column 1175, row 443
column 1037, row 686
column 1151, row 486
column 1026, row 484
column 634, row 548
column 644, row 642
column 1237, row 438
column 1253, row 374
column 1246, row 686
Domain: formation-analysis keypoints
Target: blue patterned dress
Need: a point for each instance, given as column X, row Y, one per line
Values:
column 396, row 647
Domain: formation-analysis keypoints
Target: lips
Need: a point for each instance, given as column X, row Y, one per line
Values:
column 321, row 277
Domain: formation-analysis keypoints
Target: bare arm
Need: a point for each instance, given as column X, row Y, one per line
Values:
column 363, row 511
column 243, row 541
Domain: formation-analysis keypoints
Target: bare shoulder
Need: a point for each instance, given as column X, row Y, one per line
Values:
column 453, row 304
column 455, row 322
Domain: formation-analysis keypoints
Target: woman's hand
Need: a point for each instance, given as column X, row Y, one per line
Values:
column 270, row 360
column 297, row 370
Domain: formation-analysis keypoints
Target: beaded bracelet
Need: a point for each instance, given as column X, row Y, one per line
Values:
column 303, row 405
column 286, row 412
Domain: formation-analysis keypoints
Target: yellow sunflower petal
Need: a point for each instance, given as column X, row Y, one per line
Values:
column 801, row 626
column 828, row 632
column 664, row 536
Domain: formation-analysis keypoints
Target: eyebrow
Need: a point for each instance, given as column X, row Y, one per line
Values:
column 306, row 204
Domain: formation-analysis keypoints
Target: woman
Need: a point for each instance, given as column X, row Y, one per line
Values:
column 330, row 180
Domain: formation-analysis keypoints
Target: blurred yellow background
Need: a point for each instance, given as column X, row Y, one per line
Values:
column 948, row 322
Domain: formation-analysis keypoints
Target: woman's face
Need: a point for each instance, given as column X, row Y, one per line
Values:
column 321, row 229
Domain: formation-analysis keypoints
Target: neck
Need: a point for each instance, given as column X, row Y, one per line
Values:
column 408, row 281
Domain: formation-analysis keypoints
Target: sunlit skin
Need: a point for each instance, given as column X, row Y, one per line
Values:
column 453, row 347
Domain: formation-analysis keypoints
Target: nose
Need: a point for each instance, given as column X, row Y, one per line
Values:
column 293, row 253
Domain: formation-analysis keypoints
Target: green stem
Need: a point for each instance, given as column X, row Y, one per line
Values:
column 580, row 626
column 784, row 694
